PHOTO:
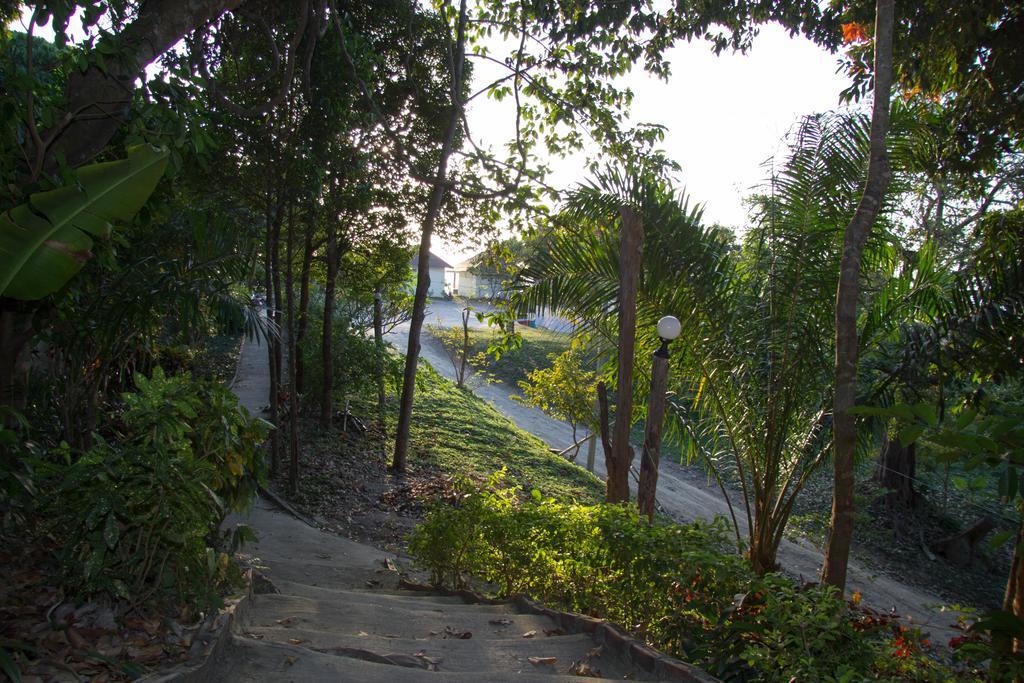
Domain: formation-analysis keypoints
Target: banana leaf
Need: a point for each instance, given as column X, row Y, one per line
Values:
column 46, row 240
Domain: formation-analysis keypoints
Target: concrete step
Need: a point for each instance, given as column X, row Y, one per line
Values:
column 454, row 654
column 373, row 595
column 252, row 660
column 392, row 618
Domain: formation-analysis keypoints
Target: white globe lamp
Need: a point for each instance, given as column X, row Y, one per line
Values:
column 669, row 327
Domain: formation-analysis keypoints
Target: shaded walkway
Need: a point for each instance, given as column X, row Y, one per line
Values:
column 326, row 608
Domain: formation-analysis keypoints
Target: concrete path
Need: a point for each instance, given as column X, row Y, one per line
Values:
column 329, row 609
column 685, row 496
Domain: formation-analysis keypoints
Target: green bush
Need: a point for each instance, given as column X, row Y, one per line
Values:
column 139, row 516
column 678, row 587
column 17, row 460
column 512, row 360
column 135, row 523
column 180, row 414
column 354, row 363
column 799, row 633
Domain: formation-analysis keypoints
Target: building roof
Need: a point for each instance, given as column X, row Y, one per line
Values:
column 435, row 261
column 468, row 263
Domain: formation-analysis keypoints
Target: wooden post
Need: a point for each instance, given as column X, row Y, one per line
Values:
column 651, row 453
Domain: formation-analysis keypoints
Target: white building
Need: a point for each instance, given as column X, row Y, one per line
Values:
column 468, row 284
column 438, row 268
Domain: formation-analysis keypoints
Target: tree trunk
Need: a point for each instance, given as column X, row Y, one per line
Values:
column 412, row 352
column 303, row 314
column 1013, row 598
column 293, row 403
column 1005, row 646
column 763, row 558
column 602, row 421
column 15, row 334
column 378, row 346
column 327, row 334
column 592, row 446
column 272, row 340
column 959, row 548
column 630, row 254
column 98, row 98
column 437, row 193
column 278, row 300
column 837, row 552
column 646, row 489
column 465, row 347
column 896, row 465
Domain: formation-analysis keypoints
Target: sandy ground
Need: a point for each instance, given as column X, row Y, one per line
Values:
column 685, row 496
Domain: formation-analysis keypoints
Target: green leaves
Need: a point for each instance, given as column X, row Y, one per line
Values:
column 910, row 434
column 48, row 239
column 566, row 390
column 673, row 583
column 135, row 515
column 111, row 532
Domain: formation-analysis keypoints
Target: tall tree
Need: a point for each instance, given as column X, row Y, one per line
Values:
column 62, row 122
column 97, row 98
column 844, row 427
column 457, row 60
column 753, row 365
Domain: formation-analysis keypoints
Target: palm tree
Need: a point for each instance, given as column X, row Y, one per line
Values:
column 752, row 388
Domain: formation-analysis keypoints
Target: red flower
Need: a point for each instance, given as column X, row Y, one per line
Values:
column 902, row 646
column 855, row 33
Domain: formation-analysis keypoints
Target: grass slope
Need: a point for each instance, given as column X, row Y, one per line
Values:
column 463, row 434
column 515, row 365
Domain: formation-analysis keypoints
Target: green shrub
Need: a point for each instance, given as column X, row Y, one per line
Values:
column 17, row 460
column 566, row 391
column 802, row 633
column 135, row 522
column 679, row 587
column 354, row 363
column 593, row 559
column 511, row 360
column 180, row 414
column 139, row 517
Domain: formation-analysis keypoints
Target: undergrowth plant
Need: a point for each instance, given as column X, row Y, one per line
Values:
column 136, row 522
column 679, row 587
column 139, row 515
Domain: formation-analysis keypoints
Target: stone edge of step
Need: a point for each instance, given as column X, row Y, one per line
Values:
column 218, row 634
column 615, row 638
column 619, row 642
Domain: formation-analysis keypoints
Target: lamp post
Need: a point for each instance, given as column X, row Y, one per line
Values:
column 669, row 328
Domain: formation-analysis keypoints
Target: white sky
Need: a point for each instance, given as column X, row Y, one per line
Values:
column 724, row 116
